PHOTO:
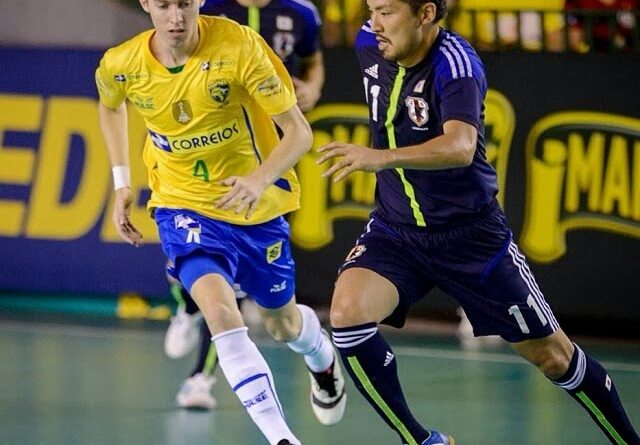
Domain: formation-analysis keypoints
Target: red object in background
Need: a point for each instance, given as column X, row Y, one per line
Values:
column 626, row 21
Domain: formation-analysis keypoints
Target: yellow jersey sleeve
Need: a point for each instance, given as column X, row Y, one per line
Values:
column 111, row 86
column 264, row 76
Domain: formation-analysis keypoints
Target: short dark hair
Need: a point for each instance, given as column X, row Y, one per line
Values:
column 441, row 7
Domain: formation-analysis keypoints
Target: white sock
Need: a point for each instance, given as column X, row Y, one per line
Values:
column 312, row 343
column 250, row 378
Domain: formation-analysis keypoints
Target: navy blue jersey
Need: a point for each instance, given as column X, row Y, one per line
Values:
column 290, row 27
column 408, row 106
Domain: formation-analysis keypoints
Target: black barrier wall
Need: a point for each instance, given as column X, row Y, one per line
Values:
column 563, row 134
column 568, row 160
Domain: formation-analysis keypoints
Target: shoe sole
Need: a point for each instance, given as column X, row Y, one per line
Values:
column 197, row 406
column 340, row 404
column 337, row 411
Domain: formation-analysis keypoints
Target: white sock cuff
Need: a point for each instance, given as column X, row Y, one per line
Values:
column 229, row 332
column 312, row 342
column 307, row 341
column 232, row 342
column 581, row 367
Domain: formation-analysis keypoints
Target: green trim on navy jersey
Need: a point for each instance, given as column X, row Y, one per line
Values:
column 211, row 361
column 253, row 18
column 379, row 401
column 176, row 293
column 391, row 135
column 588, row 403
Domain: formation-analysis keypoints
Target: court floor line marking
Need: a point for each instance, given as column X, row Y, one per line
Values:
column 407, row 351
column 477, row 356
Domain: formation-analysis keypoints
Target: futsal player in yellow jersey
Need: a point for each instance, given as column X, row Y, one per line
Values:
column 209, row 91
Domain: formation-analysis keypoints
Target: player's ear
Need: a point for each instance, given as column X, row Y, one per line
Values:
column 427, row 13
column 145, row 5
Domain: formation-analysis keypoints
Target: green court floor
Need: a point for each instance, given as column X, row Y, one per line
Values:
column 63, row 383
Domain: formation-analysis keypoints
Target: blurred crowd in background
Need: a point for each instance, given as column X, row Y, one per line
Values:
column 501, row 25
column 497, row 25
column 532, row 25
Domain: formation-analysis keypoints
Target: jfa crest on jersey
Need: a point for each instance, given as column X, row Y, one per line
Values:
column 290, row 27
column 448, row 84
column 418, row 110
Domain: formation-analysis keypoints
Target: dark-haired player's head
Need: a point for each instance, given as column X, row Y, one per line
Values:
column 441, row 7
column 405, row 29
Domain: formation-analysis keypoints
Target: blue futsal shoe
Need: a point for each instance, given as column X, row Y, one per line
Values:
column 437, row 438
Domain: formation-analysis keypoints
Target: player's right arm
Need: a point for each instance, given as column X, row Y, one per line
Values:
column 112, row 115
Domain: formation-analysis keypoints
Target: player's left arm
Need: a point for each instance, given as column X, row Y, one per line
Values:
column 460, row 110
column 309, row 86
column 296, row 140
column 454, row 148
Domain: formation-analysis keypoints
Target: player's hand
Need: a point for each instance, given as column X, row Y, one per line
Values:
column 306, row 94
column 350, row 158
column 244, row 195
column 121, row 213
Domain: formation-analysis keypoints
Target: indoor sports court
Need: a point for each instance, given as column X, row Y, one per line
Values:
column 93, row 381
column 553, row 94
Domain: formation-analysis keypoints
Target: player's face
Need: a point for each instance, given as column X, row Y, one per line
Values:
column 175, row 21
column 400, row 32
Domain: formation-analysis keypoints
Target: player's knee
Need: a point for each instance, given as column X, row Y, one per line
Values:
column 282, row 328
column 552, row 362
column 555, row 366
column 347, row 311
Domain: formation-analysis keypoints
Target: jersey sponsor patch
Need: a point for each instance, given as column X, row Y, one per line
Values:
column 218, row 137
column 270, row 87
column 182, row 112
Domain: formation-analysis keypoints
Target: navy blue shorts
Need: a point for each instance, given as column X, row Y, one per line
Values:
column 257, row 257
column 479, row 265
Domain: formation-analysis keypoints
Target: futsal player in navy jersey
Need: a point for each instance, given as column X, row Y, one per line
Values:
column 437, row 223
column 292, row 30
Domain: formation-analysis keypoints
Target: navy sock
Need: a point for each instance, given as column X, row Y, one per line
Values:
column 190, row 305
column 372, row 366
column 207, row 353
column 588, row 382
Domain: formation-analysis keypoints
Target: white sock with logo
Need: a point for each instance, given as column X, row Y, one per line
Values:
column 312, row 343
column 250, row 378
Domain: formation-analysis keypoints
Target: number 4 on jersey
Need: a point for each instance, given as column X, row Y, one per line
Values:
column 200, row 170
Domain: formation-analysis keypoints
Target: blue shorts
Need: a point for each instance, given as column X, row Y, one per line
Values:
column 257, row 257
column 478, row 264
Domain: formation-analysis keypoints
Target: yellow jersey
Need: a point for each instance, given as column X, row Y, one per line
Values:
column 207, row 122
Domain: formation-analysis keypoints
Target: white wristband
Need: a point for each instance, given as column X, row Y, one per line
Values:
column 121, row 176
